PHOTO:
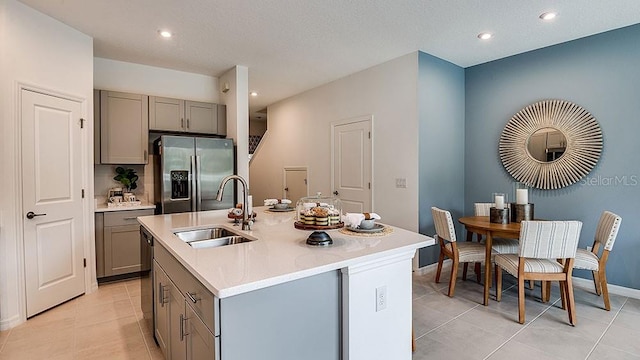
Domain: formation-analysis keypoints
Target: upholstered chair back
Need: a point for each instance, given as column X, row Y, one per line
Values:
column 444, row 224
column 607, row 229
column 483, row 209
column 549, row 239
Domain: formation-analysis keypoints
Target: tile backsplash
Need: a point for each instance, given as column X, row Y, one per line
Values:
column 104, row 174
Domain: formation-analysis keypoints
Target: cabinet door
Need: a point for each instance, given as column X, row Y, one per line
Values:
column 177, row 337
column 99, row 225
column 201, row 117
column 166, row 114
column 124, row 128
column 161, row 308
column 200, row 341
column 121, row 250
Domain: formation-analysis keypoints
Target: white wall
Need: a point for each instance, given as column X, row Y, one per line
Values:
column 300, row 135
column 39, row 51
column 149, row 80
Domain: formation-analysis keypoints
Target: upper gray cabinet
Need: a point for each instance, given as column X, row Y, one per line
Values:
column 167, row 114
column 124, row 128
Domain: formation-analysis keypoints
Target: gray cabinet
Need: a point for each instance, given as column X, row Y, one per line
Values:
column 118, row 242
column 185, row 312
column 124, row 128
column 167, row 114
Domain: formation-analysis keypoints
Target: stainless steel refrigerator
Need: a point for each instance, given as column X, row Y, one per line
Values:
column 190, row 171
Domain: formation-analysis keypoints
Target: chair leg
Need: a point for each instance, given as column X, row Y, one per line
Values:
column 605, row 289
column 465, row 266
column 440, row 261
column 521, row 309
column 597, row 282
column 570, row 300
column 413, row 341
column 478, row 272
column 531, row 285
column 454, row 275
column 563, row 295
column 543, row 291
column 498, row 272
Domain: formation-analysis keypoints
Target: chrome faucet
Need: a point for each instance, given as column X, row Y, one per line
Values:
column 246, row 217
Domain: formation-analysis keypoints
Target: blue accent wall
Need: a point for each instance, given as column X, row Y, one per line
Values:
column 601, row 73
column 441, row 134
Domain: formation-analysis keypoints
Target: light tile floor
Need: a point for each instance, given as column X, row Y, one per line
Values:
column 107, row 325
column 462, row 328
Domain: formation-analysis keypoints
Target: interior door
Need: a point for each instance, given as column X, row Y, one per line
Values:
column 52, row 200
column 352, row 165
column 295, row 184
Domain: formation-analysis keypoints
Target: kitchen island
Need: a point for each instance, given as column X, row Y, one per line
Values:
column 355, row 295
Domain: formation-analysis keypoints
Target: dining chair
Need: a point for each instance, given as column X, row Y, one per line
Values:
column 458, row 252
column 605, row 237
column 499, row 245
column 547, row 252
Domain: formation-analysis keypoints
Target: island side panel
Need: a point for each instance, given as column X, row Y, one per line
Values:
column 377, row 309
column 295, row 320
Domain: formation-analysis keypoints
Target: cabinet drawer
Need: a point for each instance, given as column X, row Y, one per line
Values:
column 199, row 298
column 125, row 217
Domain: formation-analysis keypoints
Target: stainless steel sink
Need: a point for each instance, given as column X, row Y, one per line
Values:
column 210, row 237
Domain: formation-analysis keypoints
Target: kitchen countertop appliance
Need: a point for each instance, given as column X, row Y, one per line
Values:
column 190, row 171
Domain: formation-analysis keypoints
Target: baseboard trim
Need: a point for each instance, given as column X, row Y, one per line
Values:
column 613, row 289
column 11, row 322
column 582, row 283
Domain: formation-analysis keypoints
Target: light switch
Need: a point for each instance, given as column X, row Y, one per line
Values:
column 401, row 183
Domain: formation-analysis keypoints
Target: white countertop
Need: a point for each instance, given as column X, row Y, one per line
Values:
column 102, row 206
column 279, row 255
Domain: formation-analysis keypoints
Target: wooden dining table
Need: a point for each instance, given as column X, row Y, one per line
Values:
column 481, row 225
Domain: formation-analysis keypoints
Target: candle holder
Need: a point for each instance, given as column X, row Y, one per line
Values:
column 520, row 212
column 499, row 216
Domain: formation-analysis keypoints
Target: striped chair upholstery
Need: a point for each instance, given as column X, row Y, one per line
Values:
column 542, row 245
column 501, row 246
column 605, row 237
column 449, row 246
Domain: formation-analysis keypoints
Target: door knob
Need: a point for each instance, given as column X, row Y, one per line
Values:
column 31, row 215
column 286, row 189
column 336, row 192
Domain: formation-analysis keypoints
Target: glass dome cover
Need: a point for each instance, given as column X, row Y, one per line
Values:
column 318, row 212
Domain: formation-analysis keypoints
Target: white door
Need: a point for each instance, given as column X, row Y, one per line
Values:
column 295, row 183
column 352, row 165
column 51, row 200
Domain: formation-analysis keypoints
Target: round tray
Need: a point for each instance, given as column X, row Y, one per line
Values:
column 302, row 226
column 281, row 210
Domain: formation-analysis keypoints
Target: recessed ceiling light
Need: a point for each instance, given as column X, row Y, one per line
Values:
column 165, row 33
column 548, row 15
column 253, row 93
column 485, row 36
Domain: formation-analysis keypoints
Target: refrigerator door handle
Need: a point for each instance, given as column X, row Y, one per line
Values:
column 193, row 183
column 198, row 183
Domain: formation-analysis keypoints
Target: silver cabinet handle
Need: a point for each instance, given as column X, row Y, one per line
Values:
column 129, row 218
column 31, row 215
column 187, row 123
column 192, row 297
column 183, row 321
column 145, row 155
column 182, row 123
column 161, row 298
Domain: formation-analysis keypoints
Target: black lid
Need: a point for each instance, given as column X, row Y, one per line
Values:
column 318, row 238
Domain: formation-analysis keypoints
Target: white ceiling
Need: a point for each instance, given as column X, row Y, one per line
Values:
column 291, row 46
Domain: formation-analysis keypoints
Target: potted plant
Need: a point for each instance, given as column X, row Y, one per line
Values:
column 127, row 177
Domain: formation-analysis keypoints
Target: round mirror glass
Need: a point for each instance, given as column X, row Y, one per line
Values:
column 547, row 144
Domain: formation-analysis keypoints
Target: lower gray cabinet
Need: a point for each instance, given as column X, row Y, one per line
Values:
column 200, row 342
column 161, row 286
column 118, row 242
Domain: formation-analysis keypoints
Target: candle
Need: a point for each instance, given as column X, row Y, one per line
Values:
column 499, row 200
column 250, row 204
column 522, row 196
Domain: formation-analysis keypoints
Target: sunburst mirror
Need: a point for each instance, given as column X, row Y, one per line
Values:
column 550, row 144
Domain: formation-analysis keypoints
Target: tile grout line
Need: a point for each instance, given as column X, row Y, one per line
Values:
column 5, row 340
column 445, row 323
column 146, row 344
column 606, row 329
column 521, row 329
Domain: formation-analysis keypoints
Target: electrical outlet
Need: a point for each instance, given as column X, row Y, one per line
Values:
column 381, row 298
